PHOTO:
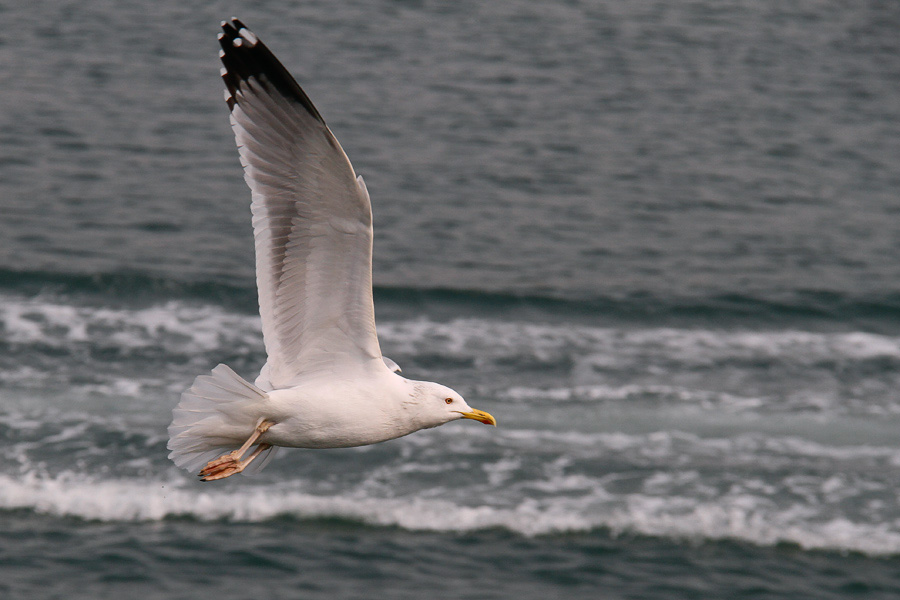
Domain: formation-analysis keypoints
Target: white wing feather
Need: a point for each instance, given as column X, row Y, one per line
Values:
column 312, row 221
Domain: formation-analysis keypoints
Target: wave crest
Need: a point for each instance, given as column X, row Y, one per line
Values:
column 744, row 518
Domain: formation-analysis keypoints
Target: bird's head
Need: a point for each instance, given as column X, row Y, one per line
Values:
column 437, row 404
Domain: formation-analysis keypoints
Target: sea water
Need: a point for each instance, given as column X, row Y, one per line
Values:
column 657, row 241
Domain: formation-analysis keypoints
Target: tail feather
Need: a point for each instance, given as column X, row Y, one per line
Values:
column 217, row 414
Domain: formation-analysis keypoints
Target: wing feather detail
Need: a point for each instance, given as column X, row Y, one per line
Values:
column 312, row 219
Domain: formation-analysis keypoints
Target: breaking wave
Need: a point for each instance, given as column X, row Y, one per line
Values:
column 741, row 517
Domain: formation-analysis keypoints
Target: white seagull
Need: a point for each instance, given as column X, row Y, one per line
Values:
column 325, row 383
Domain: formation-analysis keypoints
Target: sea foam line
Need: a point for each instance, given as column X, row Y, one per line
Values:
column 204, row 327
column 743, row 518
column 172, row 324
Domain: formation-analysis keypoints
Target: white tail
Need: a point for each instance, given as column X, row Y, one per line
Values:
column 217, row 414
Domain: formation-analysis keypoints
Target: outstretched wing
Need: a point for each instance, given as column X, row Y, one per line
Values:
column 312, row 219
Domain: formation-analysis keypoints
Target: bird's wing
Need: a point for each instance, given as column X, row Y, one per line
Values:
column 312, row 219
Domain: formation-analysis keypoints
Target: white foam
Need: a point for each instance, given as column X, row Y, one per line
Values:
column 724, row 370
column 173, row 325
column 631, row 392
column 741, row 516
column 736, row 447
column 207, row 327
column 751, row 519
column 705, row 342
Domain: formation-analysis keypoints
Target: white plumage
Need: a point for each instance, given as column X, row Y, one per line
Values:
column 325, row 383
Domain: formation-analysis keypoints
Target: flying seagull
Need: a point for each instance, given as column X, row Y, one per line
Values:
column 325, row 383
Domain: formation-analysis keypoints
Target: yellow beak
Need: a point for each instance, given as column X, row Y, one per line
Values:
column 480, row 415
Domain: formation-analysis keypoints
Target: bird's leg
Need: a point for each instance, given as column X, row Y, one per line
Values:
column 232, row 466
column 231, row 463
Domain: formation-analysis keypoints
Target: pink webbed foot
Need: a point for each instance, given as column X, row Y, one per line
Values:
column 231, row 463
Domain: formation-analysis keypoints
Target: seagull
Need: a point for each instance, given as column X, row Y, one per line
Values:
column 325, row 383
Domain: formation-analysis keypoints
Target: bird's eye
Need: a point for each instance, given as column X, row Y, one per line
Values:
column 449, row 400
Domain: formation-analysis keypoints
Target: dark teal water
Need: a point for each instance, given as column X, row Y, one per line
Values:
column 658, row 241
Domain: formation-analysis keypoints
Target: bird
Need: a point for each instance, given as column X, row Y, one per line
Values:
column 325, row 382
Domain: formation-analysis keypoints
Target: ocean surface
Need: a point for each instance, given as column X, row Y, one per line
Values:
column 659, row 241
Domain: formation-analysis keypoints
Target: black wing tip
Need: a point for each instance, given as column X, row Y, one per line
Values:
column 234, row 23
column 245, row 56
